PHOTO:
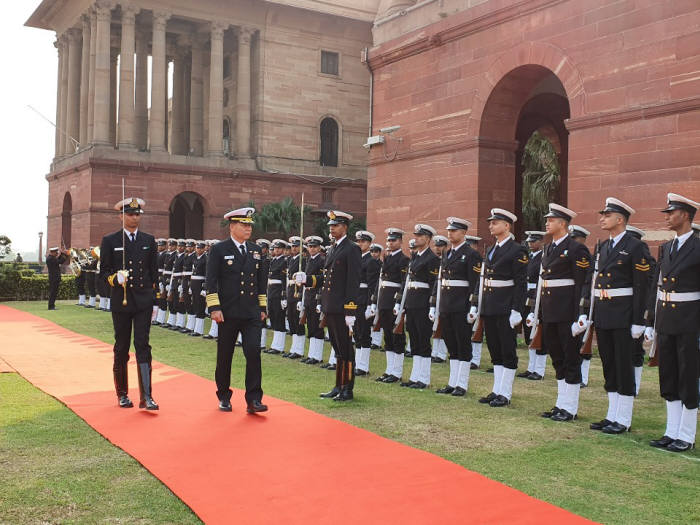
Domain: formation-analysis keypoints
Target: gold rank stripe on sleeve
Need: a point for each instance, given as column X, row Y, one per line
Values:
column 642, row 267
column 262, row 299
column 350, row 306
column 313, row 282
column 433, row 272
column 523, row 259
column 583, row 263
column 477, row 268
column 213, row 300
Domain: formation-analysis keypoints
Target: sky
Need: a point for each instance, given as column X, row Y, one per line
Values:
column 28, row 61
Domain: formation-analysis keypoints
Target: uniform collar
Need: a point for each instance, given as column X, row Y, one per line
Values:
column 455, row 248
column 420, row 254
column 617, row 238
column 560, row 240
column 683, row 238
column 239, row 244
column 136, row 231
column 396, row 251
column 535, row 254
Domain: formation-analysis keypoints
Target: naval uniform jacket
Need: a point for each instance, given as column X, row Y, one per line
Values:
column 168, row 265
column 568, row 260
column 236, row 284
column 341, row 279
column 292, row 268
column 533, row 274
column 680, row 275
column 277, row 270
column 369, row 274
column 394, row 269
column 314, row 277
column 178, row 269
column 423, row 268
column 53, row 264
column 199, row 269
column 464, row 265
column 626, row 266
column 509, row 263
column 141, row 257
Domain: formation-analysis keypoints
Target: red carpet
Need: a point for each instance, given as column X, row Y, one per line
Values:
column 288, row 466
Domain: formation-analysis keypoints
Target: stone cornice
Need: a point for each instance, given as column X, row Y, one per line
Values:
column 639, row 113
column 474, row 142
column 469, row 27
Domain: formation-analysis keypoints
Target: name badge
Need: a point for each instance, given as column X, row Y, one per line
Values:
column 119, row 249
column 229, row 257
column 623, row 252
column 256, row 255
column 145, row 247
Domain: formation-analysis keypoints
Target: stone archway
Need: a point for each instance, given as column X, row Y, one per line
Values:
column 187, row 216
column 66, row 221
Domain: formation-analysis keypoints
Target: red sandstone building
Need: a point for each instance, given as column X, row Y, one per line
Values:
column 615, row 82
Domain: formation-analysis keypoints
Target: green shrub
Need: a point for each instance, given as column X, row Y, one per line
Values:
column 18, row 282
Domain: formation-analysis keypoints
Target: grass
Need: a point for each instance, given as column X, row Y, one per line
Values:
column 610, row 479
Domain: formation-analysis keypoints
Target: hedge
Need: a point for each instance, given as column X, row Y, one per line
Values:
column 19, row 283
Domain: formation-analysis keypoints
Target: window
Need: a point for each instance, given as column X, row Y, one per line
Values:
column 327, row 196
column 330, row 62
column 329, row 142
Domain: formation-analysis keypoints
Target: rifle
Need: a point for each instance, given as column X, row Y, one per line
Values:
column 437, row 329
column 301, row 244
column 536, row 331
column 401, row 317
column 375, row 321
column 322, row 321
column 478, row 335
column 587, row 347
column 302, row 317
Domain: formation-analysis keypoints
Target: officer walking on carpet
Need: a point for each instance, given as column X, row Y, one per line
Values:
column 54, row 260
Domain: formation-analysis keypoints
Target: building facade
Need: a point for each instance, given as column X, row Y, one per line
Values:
column 202, row 106
column 615, row 84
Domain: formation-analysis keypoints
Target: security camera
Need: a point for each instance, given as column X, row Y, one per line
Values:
column 390, row 129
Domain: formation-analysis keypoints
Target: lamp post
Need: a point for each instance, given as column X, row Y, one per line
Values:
column 41, row 244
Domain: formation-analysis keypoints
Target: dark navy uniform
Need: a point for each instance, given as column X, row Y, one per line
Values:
column 293, row 295
column 198, row 287
column 369, row 276
column 389, row 290
column 314, row 277
column 422, row 272
column 53, row 263
column 277, row 282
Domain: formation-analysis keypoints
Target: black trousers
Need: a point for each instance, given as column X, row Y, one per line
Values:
column 250, row 330
column 293, row 317
column 392, row 342
column 339, row 334
column 80, row 283
column 123, row 323
column 501, row 340
column 276, row 314
column 679, row 367
column 199, row 303
column 615, row 349
column 457, row 334
column 637, row 352
column 189, row 299
column 419, row 328
column 362, row 328
column 564, row 351
column 179, row 299
column 313, row 320
column 90, row 279
column 53, row 291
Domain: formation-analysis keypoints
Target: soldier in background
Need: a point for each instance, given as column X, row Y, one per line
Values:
column 473, row 242
column 293, row 300
column 276, row 283
column 90, row 277
column 80, row 284
column 176, row 288
column 537, row 359
column 369, row 273
column 160, row 304
column 189, row 319
column 376, row 251
column 198, row 288
column 311, row 303
column 580, row 234
column 265, row 263
column 54, row 260
column 439, row 351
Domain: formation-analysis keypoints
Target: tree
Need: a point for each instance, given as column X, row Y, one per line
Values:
column 279, row 218
column 541, row 179
column 5, row 246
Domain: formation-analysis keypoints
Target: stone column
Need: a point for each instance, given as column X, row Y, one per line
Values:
column 103, row 10
column 243, row 95
column 84, row 81
column 141, row 94
column 113, row 58
column 91, row 77
column 59, row 98
column 196, row 99
column 127, row 140
column 73, row 107
column 156, row 123
column 216, row 90
column 178, row 107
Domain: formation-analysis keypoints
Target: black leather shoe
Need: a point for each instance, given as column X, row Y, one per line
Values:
column 680, row 446
column 155, row 323
column 274, row 352
column 305, row 360
column 225, row 405
column 374, row 347
column 459, row 392
column 331, row 394
column 488, row 398
column 392, row 379
column 174, row 328
column 238, row 343
column 312, row 362
column 615, row 428
column 418, row 385
column 149, row 404
column 295, row 356
column 286, row 355
column 489, row 370
column 194, row 334
column 584, row 385
column 185, row 330
column 359, row 372
column 331, row 367
column 207, row 337
column 447, row 389
column 500, row 401
column 534, row 376
column 407, row 383
column 523, row 374
column 437, row 360
column 345, row 395
column 474, row 366
column 551, row 412
column 600, row 425
column 125, row 402
column 382, row 377
column 662, row 442
column 256, row 406
column 563, row 415
column 325, row 365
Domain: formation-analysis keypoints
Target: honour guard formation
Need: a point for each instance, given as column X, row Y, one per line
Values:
column 436, row 304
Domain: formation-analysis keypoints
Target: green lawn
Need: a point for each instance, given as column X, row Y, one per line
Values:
column 610, row 479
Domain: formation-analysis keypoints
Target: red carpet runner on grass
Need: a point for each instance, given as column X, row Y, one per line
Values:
column 288, row 466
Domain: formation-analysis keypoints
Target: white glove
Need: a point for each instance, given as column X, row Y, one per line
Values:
column 471, row 316
column 318, row 308
column 299, row 306
column 649, row 334
column 203, row 293
column 122, row 276
column 167, row 288
column 582, row 322
column 530, row 319
column 300, row 278
column 431, row 314
column 189, row 291
column 637, row 331
column 350, row 320
column 161, row 287
column 575, row 330
column 283, row 303
column 515, row 318
column 373, row 309
column 368, row 312
column 397, row 309
column 179, row 289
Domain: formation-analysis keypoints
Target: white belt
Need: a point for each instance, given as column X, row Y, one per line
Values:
column 198, row 277
column 167, row 272
column 495, row 283
column 390, row 284
column 613, row 292
column 274, row 281
column 418, row 284
column 186, row 273
column 677, row 297
column 557, row 283
column 454, row 282
column 160, row 270
column 363, row 285
column 532, row 286
column 177, row 274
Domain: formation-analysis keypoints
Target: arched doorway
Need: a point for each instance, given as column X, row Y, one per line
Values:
column 329, row 142
column 66, row 220
column 187, row 216
column 527, row 99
